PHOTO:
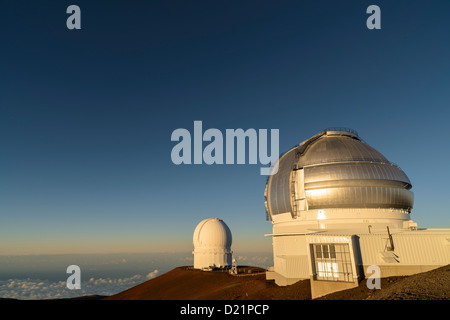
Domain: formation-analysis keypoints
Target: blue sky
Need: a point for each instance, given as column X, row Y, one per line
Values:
column 86, row 115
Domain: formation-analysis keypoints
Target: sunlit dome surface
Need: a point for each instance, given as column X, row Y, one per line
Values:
column 338, row 170
column 212, row 233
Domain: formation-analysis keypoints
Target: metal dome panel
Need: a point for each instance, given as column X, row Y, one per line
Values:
column 329, row 149
column 338, row 171
column 355, row 171
column 360, row 197
column 278, row 199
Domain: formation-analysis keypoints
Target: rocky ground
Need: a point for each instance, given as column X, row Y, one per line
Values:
column 431, row 285
column 185, row 283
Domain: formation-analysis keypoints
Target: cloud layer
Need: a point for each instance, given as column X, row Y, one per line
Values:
column 36, row 289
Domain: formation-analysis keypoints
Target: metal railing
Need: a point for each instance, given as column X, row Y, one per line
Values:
column 342, row 129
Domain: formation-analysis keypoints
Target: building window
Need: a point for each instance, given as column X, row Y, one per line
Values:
column 331, row 262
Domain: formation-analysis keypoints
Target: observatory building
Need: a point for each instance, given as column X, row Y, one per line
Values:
column 338, row 207
column 212, row 245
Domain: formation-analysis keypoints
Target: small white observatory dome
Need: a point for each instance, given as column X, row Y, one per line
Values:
column 212, row 244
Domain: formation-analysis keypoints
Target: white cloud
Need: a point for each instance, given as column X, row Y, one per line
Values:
column 152, row 274
column 256, row 260
column 37, row 289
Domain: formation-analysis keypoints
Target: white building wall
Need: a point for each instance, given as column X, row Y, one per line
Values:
column 421, row 248
column 413, row 252
column 290, row 256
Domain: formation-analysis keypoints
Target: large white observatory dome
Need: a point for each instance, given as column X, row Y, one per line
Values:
column 212, row 244
column 334, row 180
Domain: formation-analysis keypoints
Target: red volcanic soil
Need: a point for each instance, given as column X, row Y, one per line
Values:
column 186, row 283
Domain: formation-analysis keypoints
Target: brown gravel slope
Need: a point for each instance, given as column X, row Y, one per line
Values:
column 431, row 285
column 184, row 283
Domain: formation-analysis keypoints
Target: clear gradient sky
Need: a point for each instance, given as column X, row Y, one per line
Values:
column 86, row 115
